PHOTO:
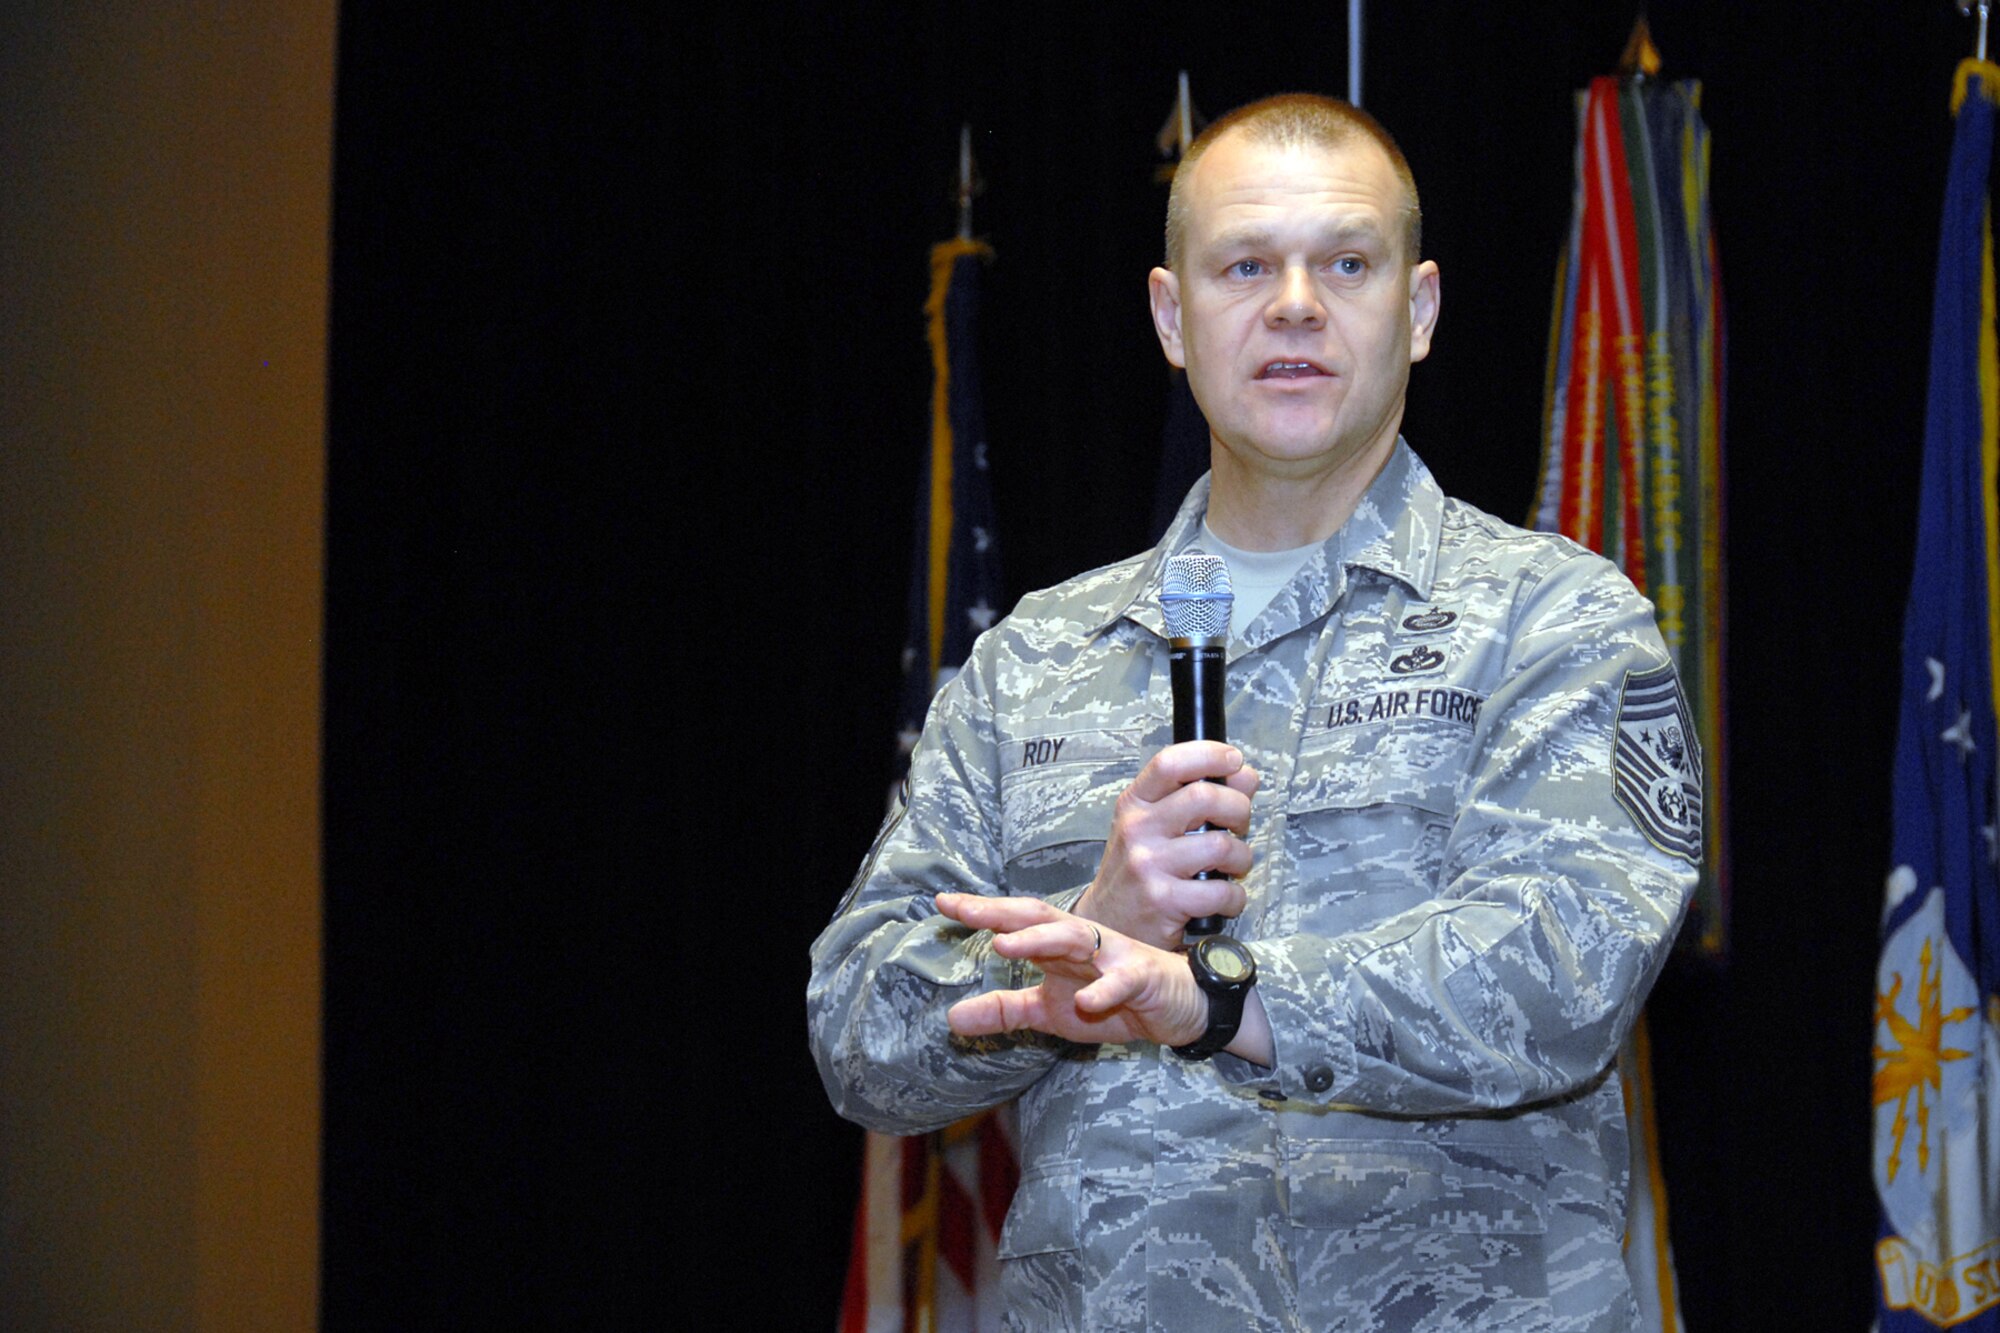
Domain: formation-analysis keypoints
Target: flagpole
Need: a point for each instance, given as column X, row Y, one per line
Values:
column 965, row 187
column 1354, row 52
column 1177, row 131
column 1965, row 7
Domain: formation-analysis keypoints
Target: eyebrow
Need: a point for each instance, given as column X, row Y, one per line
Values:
column 1259, row 238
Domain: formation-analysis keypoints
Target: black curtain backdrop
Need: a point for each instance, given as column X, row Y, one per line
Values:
column 590, row 793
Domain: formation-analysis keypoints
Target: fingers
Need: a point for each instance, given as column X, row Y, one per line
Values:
column 1001, row 915
column 995, row 1012
column 1026, row 927
column 1191, row 761
column 1201, row 803
column 1185, row 856
column 1110, row 991
column 1166, row 842
column 1245, row 779
column 1068, row 940
column 1146, row 811
column 1097, row 986
column 1208, row 897
column 1093, row 1013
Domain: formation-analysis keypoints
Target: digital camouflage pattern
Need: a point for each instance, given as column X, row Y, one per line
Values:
column 1455, row 921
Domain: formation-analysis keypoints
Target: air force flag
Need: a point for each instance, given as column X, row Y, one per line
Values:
column 1937, row 1057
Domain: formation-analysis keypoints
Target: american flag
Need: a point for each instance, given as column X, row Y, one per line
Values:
column 928, row 1221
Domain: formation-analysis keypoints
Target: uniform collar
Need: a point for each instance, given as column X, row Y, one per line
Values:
column 1396, row 527
column 1393, row 531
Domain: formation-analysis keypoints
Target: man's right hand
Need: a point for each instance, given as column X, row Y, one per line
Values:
column 1145, row 886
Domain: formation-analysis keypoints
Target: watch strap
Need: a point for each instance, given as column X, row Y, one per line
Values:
column 1221, row 1029
column 1225, row 1003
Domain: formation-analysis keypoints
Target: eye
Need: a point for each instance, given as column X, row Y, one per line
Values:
column 1245, row 268
column 1349, row 266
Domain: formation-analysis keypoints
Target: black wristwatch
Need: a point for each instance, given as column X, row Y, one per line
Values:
column 1225, row 970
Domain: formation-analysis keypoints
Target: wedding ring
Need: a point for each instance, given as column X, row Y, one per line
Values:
column 1096, row 941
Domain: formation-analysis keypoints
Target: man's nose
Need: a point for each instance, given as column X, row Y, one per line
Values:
column 1296, row 302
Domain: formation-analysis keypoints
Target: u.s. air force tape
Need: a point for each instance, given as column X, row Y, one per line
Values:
column 1434, row 701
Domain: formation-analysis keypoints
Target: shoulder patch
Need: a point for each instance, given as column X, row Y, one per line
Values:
column 1656, row 764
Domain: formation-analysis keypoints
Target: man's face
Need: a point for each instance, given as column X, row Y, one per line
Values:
column 1294, row 310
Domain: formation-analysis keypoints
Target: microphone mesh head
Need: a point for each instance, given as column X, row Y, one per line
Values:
column 1195, row 594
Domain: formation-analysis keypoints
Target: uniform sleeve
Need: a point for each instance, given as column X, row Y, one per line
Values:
column 889, row 965
column 1562, row 887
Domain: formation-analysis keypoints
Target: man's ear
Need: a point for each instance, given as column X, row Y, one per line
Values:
column 1163, row 289
column 1423, row 308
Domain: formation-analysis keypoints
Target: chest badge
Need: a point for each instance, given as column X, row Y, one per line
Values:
column 1418, row 660
column 1436, row 618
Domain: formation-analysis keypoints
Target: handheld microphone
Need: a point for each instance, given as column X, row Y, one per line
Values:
column 1197, row 598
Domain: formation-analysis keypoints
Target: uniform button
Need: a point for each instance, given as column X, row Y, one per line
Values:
column 1319, row 1078
column 1271, row 1094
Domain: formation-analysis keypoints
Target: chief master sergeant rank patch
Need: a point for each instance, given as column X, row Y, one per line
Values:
column 1656, row 765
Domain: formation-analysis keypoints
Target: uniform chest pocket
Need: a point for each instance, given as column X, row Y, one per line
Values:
column 1414, row 761
column 1057, row 795
column 1370, row 809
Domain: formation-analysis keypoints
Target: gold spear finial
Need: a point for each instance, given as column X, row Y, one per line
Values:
column 1641, row 59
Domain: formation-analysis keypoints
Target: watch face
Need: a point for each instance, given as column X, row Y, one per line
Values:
column 1227, row 959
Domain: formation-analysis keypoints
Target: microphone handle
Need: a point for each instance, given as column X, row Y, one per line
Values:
column 1197, row 670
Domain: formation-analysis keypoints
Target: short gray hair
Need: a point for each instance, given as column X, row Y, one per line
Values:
column 1295, row 120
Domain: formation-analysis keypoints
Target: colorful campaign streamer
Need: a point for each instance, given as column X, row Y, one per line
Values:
column 1632, row 467
column 1632, row 432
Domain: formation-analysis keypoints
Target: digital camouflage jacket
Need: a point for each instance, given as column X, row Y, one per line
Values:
column 1474, row 842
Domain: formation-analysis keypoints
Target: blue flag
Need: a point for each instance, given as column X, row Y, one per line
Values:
column 955, row 563
column 1937, row 1018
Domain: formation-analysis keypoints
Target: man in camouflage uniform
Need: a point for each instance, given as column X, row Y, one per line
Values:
column 1449, row 802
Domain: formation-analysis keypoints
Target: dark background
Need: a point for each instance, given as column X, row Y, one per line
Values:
column 628, row 393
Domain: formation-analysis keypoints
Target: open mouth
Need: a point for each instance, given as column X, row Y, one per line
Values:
column 1290, row 370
